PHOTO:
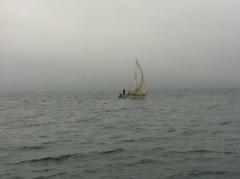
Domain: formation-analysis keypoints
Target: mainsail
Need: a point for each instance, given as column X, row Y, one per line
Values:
column 137, row 86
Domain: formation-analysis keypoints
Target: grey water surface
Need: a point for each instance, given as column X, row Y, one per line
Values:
column 172, row 134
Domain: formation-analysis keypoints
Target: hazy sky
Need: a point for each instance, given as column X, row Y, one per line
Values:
column 85, row 44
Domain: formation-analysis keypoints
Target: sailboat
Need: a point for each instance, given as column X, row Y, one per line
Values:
column 137, row 88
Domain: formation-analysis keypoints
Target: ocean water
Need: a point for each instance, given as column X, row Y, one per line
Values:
column 171, row 134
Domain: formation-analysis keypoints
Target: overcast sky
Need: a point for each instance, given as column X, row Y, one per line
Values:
column 87, row 44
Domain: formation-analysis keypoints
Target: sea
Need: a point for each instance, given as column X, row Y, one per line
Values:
column 171, row 134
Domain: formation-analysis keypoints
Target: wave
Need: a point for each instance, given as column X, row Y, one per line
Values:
column 50, row 176
column 37, row 147
column 201, row 151
column 206, row 174
column 156, row 149
column 193, row 132
column 118, row 150
column 128, row 140
column 90, row 171
column 144, row 161
column 40, row 170
column 50, row 159
column 196, row 173
column 225, row 123
column 109, row 110
column 62, row 158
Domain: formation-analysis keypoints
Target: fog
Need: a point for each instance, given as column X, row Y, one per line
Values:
column 92, row 44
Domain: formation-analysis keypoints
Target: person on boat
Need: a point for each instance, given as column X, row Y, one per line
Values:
column 124, row 92
column 120, row 95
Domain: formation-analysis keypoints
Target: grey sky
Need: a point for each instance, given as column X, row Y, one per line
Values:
column 82, row 44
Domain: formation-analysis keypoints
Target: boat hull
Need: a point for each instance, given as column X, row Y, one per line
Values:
column 132, row 96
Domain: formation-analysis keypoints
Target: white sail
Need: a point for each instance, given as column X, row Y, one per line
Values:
column 138, row 84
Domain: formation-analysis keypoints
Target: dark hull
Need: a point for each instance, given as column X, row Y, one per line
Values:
column 132, row 96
